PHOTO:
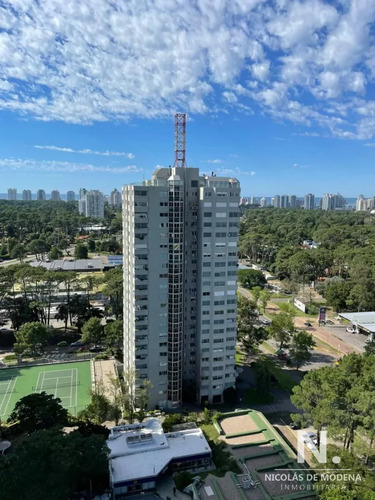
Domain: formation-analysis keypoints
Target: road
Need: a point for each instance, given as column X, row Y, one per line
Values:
column 335, row 336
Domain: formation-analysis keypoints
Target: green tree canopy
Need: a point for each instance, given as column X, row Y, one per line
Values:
column 39, row 411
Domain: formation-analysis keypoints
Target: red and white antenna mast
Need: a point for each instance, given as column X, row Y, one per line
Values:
column 179, row 139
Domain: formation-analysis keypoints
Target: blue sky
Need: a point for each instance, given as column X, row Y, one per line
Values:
column 279, row 94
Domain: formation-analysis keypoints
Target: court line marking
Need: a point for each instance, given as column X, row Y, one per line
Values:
column 8, row 394
column 76, row 398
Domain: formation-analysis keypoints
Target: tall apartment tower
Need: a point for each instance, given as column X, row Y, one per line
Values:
column 277, row 201
column 94, row 204
column 55, row 195
column 40, row 195
column 329, row 201
column 26, row 195
column 292, row 201
column 180, row 236
column 70, row 196
column 12, row 194
column 82, row 201
column 309, row 203
column 114, row 199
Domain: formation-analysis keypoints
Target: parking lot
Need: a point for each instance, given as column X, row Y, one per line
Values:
column 355, row 339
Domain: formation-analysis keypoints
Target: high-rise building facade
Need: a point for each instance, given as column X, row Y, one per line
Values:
column 277, row 201
column 114, row 199
column 55, row 195
column 284, row 201
column 180, row 237
column 93, row 203
column 70, row 196
column 26, row 195
column 292, row 201
column 40, row 195
column 263, row 202
column 12, row 194
column 329, row 201
column 309, row 203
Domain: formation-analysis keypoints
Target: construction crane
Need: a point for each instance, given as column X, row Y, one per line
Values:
column 179, row 139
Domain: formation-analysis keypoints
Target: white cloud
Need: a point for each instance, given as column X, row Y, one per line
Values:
column 234, row 171
column 62, row 166
column 87, row 61
column 87, row 151
column 297, row 165
column 217, row 161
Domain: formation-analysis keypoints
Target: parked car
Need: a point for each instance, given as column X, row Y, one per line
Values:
column 63, row 343
column 307, row 323
column 294, row 425
column 310, row 437
column 350, row 329
column 265, row 321
column 77, row 343
column 83, row 348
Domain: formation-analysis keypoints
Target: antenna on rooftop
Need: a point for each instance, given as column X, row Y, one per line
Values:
column 179, row 139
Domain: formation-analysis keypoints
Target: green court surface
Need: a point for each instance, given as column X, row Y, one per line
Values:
column 71, row 382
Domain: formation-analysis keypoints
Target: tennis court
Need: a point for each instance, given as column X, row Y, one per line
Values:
column 71, row 382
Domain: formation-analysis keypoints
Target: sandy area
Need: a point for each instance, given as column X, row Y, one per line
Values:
column 235, row 425
column 104, row 370
column 252, row 438
column 254, row 463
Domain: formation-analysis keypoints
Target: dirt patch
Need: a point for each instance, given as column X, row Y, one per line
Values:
column 251, row 450
column 254, row 463
column 235, row 425
column 252, row 438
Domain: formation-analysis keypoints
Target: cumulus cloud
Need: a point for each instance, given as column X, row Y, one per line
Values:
column 234, row 171
column 22, row 164
column 87, row 151
column 98, row 60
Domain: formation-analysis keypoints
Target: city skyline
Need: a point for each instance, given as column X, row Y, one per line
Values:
column 281, row 96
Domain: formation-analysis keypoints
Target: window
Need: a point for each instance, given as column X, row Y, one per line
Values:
column 221, row 214
column 207, row 214
column 194, row 184
column 207, row 235
column 138, row 192
column 207, row 224
column 207, row 204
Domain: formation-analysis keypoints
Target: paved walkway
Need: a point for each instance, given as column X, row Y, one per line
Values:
column 104, row 370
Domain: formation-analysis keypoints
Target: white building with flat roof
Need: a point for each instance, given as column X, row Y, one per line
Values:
column 141, row 453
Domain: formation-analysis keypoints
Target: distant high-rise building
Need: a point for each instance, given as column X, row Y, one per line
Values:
column 94, row 204
column 360, row 205
column 26, row 195
column 329, row 201
column 70, row 196
column 180, row 233
column 40, row 195
column 114, row 199
column 309, row 202
column 340, row 201
column 55, row 195
column 82, row 201
column 244, row 201
column 292, row 201
column 263, row 202
column 277, row 201
column 284, row 201
column 12, row 194
column 254, row 201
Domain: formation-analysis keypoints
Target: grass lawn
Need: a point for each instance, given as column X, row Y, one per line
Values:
column 269, row 348
column 240, row 358
column 284, row 380
column 252, row 397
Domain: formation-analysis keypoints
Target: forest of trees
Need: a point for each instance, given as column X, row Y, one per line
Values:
column 342, row 265
column 42, row 227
